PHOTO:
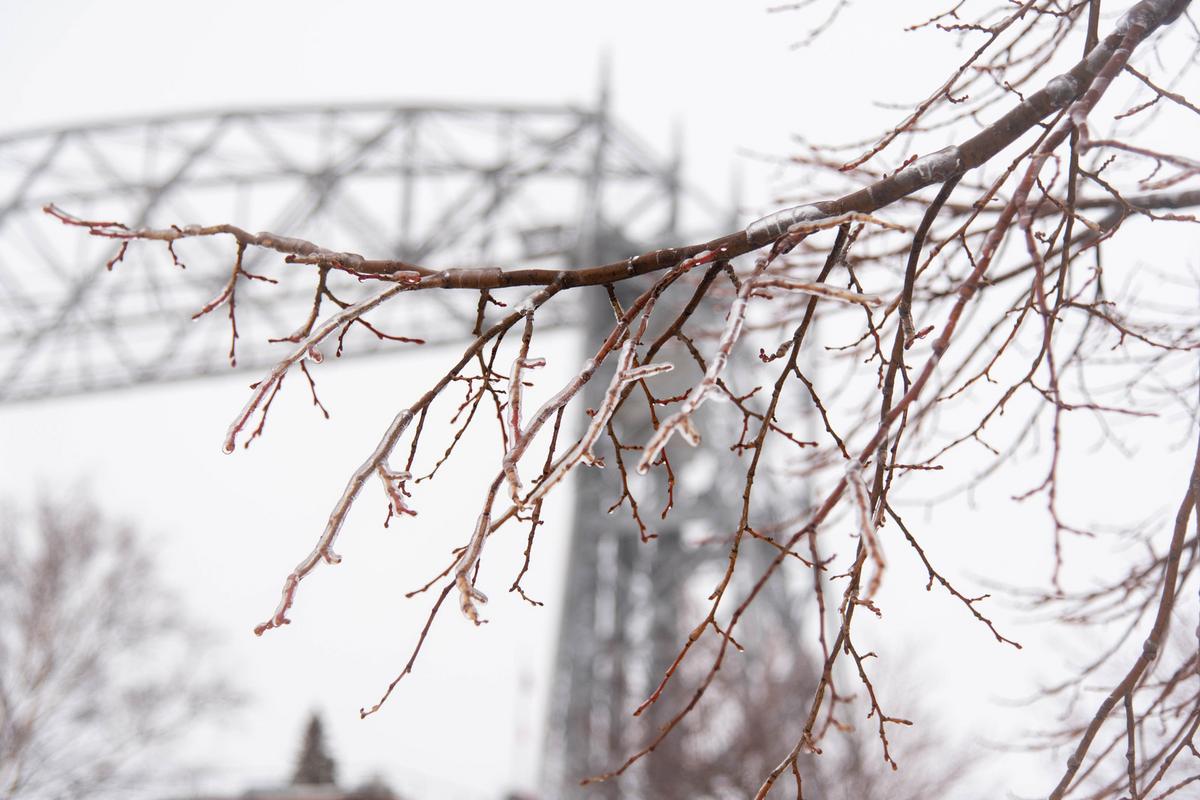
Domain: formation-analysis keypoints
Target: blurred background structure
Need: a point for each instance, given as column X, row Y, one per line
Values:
column 315, row 776
column 447, row 185
column 453, row 184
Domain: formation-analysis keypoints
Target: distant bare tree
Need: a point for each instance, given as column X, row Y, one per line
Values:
column 968, row 280
column 726, row 745
column 100, row 670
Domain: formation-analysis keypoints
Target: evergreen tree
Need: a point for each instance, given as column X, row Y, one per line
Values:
column 314, row 766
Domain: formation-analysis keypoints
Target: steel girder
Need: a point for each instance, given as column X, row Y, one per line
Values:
column 443, row 185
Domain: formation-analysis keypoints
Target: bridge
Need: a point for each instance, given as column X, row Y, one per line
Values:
column 447, row 185
column 437, row 184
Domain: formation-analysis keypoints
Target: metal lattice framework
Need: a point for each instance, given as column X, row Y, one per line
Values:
column 438, row 185
column 445, row 185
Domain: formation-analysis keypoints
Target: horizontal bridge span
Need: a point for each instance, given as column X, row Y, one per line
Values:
column 443, row 184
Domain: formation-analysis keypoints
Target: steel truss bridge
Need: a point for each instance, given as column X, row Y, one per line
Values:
column 439, row 185
column 448, row 185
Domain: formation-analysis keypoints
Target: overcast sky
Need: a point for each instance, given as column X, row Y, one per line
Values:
column 231, row 527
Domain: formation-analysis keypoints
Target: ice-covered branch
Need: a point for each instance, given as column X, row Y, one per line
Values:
column 624, row 375
column 820, row 290
column 929, row 170
column 307, row 348
column 378, row 461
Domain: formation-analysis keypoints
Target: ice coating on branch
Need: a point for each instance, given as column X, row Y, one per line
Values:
column 775, row 225
column 1146, row 12
column 1062, row 89
column 393, row 487
column 324, row 548
column 822, row 290
column 681, row 421
column 868, row 525
column 936, row 167
column 647, row 371
column 940, row 166
column 515, row 385
column 1124, row 22
column 467, row 593
column 516, row 382
column 266, row 387
column 625, row 374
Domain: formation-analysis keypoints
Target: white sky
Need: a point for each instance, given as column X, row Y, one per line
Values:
column 231, row 527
